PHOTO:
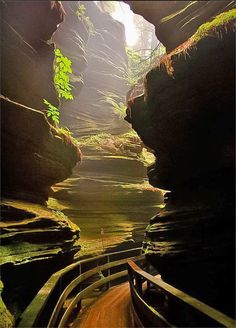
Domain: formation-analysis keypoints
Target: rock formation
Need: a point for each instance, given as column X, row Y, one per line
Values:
column 176, row 21
column 33, row 239
column 112, row 171
column 186, row 116
column 35, row 155
column 27, row 57
column 6, row 319
column 98, row 56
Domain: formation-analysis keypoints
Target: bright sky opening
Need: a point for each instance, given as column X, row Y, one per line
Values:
column 124, row 15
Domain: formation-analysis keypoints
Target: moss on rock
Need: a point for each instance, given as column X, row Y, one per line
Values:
column 221, row 20
column 6, row 319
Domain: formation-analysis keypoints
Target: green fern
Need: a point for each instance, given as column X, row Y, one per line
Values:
column 62, row 70
column 52, row 111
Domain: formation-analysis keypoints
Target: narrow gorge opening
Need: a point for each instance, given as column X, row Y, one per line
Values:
column 108, row 194
column 117, row 135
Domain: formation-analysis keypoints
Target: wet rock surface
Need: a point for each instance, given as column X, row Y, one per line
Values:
column 6, row 319
column 187, row 117
column 191, row 243
column 112, row 175
column 35, row 242
column 41, row 242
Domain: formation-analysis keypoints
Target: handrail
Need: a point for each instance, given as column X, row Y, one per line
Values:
column 85, row 292
column 202, row 308
column 33, row 313
column 74, row 283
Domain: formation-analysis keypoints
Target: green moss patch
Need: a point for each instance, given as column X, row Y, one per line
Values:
column 66, row 135
column 112, row 143
column 221, row 20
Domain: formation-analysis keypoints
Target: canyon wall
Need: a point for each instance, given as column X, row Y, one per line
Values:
column 187, row 117
column 113, row 170
column 35, row 155
column 176, row 21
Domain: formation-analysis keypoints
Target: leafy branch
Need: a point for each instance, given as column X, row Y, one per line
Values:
column 137, row 66
column 62, row 71
column 52, row 111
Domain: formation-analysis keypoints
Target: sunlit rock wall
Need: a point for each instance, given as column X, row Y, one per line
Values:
column 111, row 169
column 27, row 78
column 34, row 154
column 187, row 117
column 26, row 56
column 98, row 61
column 35, row 242
column 176, row 21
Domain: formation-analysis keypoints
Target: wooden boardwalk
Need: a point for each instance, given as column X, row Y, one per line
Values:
column 111, row 310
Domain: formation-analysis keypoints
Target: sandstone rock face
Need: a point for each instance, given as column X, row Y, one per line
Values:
column 187, row 117
column 111, row 174
column 6, row 319
column 98, row 56
column 176, row 21
column 35, row 157
column 33, row 239
column 43, row 157
column 27, row 58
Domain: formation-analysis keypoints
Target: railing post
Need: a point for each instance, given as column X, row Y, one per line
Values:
column 139, row 286
column 79, row 275
column 148, row 270
column 108, row 272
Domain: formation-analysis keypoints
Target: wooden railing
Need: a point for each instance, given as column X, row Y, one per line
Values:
column 182, row 309
column 46, row 309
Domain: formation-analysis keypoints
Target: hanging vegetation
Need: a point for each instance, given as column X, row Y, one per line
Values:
column 138, row 66
column 62, row 71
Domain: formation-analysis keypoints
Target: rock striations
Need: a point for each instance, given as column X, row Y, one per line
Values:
column 112, row 171
column 95, row 43
column 35, row 155
column 176, row 21
column 186, row 116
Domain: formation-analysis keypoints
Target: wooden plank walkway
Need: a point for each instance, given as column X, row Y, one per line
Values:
column 111, row 310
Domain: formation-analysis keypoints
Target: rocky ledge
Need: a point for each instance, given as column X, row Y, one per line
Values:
column 35, row 242
column 32, row 238
column 187, row 112
column 176, row 21
column 36, row 155
column 187, row 117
